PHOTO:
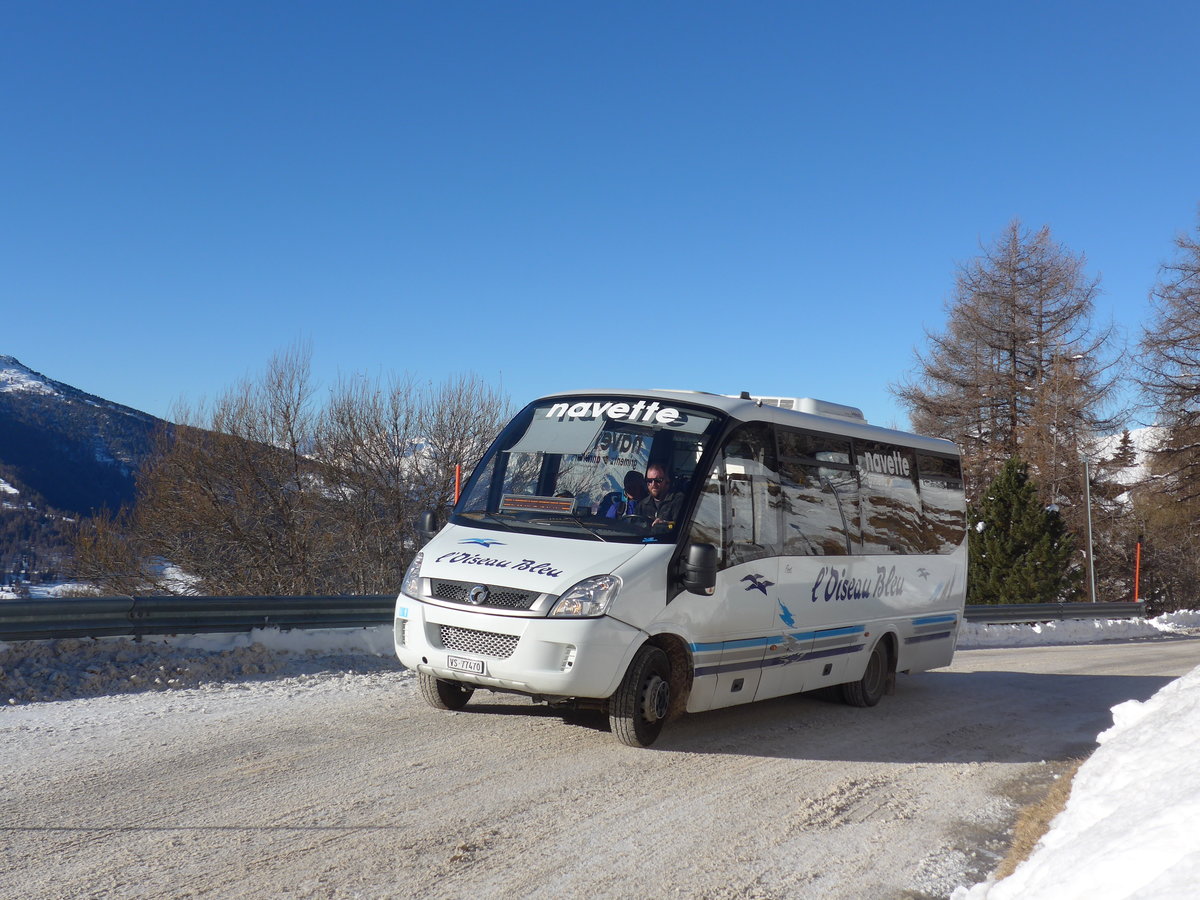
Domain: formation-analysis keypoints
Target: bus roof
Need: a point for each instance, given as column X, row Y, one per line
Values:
column 764, row 409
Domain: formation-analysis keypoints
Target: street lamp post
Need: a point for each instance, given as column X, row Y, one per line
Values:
column 1087, row 493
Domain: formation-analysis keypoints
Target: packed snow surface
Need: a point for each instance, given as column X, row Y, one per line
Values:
column 1128, row 830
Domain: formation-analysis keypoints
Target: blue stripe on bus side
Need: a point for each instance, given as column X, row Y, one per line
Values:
column 934, row 620
column 731, row 645
column 847, row 631
column 747, row 643
column 775, row 661
column 934, row 636
column 818, row 654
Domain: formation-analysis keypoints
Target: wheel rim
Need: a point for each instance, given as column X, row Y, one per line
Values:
column 656, row 698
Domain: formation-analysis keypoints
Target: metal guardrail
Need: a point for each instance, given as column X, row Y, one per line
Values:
column 30, row 620
column 1016, row 613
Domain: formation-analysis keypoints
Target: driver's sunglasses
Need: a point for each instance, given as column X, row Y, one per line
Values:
column 656, row 480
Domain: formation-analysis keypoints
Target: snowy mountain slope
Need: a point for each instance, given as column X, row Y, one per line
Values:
column 63, row 453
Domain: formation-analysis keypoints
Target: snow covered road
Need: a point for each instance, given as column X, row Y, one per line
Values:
column 349, row 786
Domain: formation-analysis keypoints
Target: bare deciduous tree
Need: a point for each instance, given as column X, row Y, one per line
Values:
column 1170, row 368
column 1170, row 382
column 266, row 493
column 458, row 420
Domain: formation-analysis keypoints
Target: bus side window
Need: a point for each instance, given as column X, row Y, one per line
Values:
column 753, row 492
column 891, row 515
column 820, row 495
column 942, row 502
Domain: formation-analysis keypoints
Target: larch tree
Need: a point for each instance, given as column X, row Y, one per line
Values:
column 1021, row 370
column 1169, row 378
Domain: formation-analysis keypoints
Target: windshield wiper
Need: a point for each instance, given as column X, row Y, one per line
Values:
column 491, row 517
column 499, row 520
column 567, row 517
column 586, row 528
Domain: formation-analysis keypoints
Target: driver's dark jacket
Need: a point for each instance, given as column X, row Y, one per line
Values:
column 667, row 509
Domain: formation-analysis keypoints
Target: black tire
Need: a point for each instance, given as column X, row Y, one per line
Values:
column 637, row 710
column 868, row 690
column 444, row 694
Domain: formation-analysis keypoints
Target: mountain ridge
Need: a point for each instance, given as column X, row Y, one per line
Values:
column 65, row 454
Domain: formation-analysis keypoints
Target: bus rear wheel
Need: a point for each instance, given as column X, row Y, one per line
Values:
column 442, row 694
column 638, row 708
column 868, row 690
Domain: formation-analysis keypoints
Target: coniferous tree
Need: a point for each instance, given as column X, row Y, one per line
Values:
column 1116, row 525
column 1020, row 551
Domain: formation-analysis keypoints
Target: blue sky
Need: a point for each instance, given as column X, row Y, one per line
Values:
column 761, row 196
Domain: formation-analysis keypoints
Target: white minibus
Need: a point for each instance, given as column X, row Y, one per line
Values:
column 651, row 553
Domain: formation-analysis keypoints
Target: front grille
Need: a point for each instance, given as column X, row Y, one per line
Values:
column 500, row 598
column 481, row 643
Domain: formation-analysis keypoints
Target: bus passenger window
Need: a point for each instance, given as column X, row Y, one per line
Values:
column 814, row 515
column 891, row 514
column 820, row 495
column 942, row 502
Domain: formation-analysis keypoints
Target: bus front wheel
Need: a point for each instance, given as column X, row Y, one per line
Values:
column 868, row 690
column 637, row 710
column 442, row 694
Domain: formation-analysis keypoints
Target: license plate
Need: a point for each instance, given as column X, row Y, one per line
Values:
column 474, row 666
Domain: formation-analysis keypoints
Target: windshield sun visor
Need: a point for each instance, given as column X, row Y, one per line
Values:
column 554, row 436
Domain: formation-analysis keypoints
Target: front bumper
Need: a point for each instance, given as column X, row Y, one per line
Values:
column 538, row 656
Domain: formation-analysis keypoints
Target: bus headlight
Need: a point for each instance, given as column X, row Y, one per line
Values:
column 590, row 597
column 412, row 578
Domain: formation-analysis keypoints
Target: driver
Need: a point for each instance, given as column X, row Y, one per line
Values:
column 661, row 507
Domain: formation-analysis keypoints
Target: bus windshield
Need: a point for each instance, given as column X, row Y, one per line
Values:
column 580, row 466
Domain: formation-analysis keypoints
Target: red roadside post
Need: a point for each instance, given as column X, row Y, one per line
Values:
column 1137, row 569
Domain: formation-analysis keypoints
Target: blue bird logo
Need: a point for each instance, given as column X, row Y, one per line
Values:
column 482, row 542
column 757, row 583
column 785, row 615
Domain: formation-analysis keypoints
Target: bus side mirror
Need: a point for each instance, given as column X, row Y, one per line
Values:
column 427, row 525
column 700, row 568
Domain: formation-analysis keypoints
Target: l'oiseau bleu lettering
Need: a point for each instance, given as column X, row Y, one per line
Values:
column 631, row 412
column 834, row 584
column 525, row 565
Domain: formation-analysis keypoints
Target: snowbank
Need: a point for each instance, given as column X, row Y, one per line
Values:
column 1075, row 631
column 32, row 671
column 1129, row 827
